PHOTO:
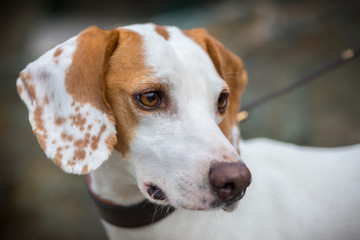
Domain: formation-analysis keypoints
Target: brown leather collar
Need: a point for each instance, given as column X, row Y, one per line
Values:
column 138, row 215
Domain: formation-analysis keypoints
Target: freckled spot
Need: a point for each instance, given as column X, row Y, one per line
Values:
column 203, row 200
column 111, row 141
column 58, row 52
column 32, row 91
column 77, row 109
column 20, row 89
column 42, row 140
column 79, row 155
column 59, row 121
column 53, row 141
column 67, row 147
column 38, row 119
column 96, row 139
column 89, row 127
column 82, row 143
column 58, row 159
column 78, row 120
column 73, row 104
column 78, row 143
column 225, row 157
column 66, row 137
column 85, row 169
column 25, row 76
column 71, row 163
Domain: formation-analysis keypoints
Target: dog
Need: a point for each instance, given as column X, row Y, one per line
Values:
column 148, row 113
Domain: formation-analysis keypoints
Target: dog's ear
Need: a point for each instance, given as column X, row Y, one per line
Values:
column 231, row 69
column 68, row 111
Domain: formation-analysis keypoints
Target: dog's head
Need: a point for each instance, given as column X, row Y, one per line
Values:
column 165, row 98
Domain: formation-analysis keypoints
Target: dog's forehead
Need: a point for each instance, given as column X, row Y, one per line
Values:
column 176, row 59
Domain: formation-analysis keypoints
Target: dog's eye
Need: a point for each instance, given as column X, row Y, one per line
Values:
column 149, row 99
column 222, row 101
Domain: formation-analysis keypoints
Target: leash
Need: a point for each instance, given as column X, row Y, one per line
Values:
column 345, row 57
column 137, row 215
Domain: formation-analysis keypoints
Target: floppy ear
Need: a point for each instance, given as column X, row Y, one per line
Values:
column 230, row 68
column 64, row 92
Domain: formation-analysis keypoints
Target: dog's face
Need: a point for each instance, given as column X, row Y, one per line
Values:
column 166, row 99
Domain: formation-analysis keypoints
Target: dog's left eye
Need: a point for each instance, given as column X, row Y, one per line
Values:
column 222, row 101
column 149, row 99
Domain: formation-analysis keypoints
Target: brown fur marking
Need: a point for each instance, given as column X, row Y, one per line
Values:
column 89, row 66
column 82, row 143
column 42, row 140
column 96, row 139
column 38, row 119
column 32, row 91
column 58, row 159
column 66, row 137
column 20, row 89
column 59, row 121
column 78, row 120
column 161, row 30
column 58, row 52
column 85, row 169
column 79, row 155
column 125, row 69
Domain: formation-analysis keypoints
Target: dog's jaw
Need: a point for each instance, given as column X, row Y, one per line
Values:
column 115, row 181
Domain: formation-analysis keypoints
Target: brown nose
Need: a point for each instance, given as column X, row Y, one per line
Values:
column 229, row 180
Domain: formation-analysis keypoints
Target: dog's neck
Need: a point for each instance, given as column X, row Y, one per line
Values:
column 114, row 182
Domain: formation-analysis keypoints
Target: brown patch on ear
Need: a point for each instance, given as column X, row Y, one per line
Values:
column 126, row 68
column 89, row 66
column 161, row 30
column 230, row 68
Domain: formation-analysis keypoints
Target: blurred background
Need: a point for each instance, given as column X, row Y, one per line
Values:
column 278, row 40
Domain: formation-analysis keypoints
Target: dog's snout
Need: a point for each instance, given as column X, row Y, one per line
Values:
column 229, row 180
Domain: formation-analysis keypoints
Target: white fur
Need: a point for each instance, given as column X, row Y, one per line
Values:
column 296, row 193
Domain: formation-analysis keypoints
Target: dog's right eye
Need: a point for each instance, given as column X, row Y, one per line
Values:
column 222, row 101
column 149, row 99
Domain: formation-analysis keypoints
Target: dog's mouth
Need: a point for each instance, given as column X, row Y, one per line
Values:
column 155, row 192
column 159, row 195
